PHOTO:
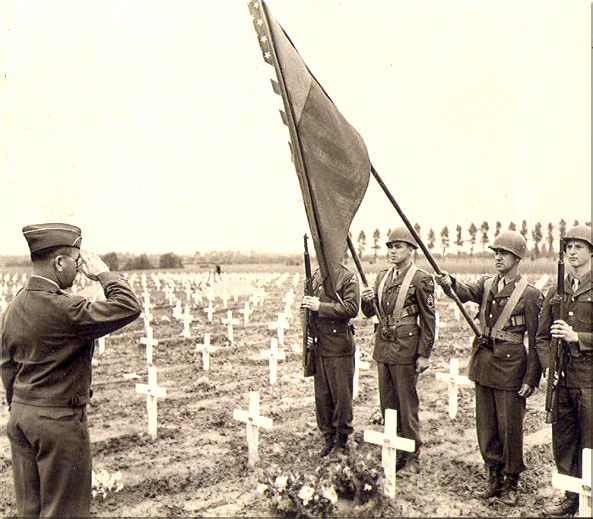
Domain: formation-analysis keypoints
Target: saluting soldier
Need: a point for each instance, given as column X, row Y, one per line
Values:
column 404, row 296
column 573, row 430
column 505, row 374
column 334, row 357
column 47, row 348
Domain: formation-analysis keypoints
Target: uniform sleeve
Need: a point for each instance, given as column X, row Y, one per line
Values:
column 8, row 369
column 348, row 308
column 542, row 336
column 533, row 306
column 585, row 341
column 473, row 291
column 425, row 300
column 96, row 319
column 368, row 307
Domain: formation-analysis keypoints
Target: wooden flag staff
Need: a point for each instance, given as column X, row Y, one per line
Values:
column 425, row 250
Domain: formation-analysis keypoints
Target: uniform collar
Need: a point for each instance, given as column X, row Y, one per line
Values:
column 36, row 282
column 508, row 288
column 584, row 283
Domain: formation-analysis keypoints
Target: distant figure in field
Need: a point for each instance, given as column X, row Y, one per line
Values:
column 47, row 348
column 505, row 374
column 404, row 296
column 217, row 269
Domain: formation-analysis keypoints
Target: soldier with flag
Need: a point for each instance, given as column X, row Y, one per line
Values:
column 404, row 296
column 505, row 374
column 334, row 356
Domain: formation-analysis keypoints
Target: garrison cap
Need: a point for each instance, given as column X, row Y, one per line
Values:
column 402, row 234
column 511, row 241
column 44, row 235
column 580, row 232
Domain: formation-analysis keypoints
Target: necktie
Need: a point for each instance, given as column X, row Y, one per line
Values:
column 501, row 284
column 575, row 284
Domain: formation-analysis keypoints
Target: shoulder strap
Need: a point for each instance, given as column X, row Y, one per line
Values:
column 487, row 288
column 511, row 304
column 381, row 288
column 403, row 290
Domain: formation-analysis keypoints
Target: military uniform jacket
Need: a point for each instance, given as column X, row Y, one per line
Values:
column 334, row 332
column 579, row 314
column 509, row 365
column 48, row 339
column 415, row 337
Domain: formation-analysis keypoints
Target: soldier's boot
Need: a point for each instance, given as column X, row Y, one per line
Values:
column 412, row 464
column 567, row 507
column 343, row 443
column 328, row 446
column 495, row 483
column 510, row 491
column 400, row 460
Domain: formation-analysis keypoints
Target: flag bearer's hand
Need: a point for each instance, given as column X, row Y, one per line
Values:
column 311, row 302
column 368, row 294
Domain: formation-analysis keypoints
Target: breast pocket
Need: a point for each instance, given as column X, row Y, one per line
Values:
column 585, row 312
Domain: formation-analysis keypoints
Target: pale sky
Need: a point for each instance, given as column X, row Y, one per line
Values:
column 152, row 124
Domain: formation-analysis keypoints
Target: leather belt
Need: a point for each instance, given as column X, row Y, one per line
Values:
column 44, row 401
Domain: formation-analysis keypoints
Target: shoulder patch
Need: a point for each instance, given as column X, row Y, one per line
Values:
column 430, row 301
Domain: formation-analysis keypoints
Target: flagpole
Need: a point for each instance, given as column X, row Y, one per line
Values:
column 363, row 277
column 425, row 250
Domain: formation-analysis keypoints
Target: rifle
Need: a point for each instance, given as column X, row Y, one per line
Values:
column 310, row 331
column 557, row 346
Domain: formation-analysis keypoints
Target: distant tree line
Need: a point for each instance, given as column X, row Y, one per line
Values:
column 540, row 241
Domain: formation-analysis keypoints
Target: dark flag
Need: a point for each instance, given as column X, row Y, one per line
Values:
column 329, row 155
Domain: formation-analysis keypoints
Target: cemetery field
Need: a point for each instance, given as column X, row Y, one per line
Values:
column 197, row 462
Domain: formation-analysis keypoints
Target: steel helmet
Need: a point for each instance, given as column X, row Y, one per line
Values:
column 402, row 234
column 511, row 241
column 580, row 232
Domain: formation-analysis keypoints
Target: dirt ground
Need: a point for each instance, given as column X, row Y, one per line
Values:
column 197, row 467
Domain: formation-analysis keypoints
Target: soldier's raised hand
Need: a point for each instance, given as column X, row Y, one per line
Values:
column 368, row 294
column 444, row 279
column 92, row 265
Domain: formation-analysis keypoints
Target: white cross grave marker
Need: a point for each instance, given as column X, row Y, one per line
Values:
column 358, row 365
column 206, row 350
column 149, row 341
column 274, row 355
column 235, row 294
column 246, row 312
column 582, row 486
column 225, row 298
column 209, row 311
column 454, row 379
column 280, row 325
column 229, row 321
column 391, row 443
column 152, row 392
column 101, row 345
column 254, row 421
column 187, row 318
column 177, row 310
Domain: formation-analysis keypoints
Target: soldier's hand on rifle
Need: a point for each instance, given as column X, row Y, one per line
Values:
column 311, row 302
column 526, row 391
column 368, row 294
column 422, row 364
column 561, row 330
column 444, row 279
